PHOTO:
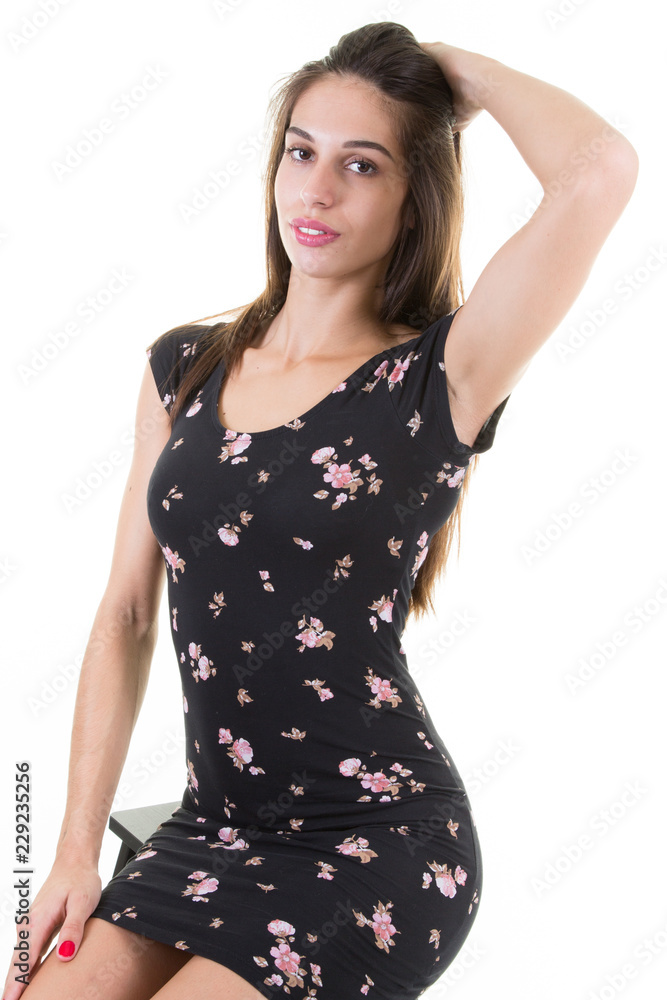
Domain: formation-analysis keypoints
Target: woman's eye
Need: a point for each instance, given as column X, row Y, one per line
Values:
column 302, row 149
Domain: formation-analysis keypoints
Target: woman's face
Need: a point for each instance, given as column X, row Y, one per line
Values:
column 321, row 180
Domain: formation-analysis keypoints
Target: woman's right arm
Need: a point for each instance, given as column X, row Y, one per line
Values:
column 114, row 675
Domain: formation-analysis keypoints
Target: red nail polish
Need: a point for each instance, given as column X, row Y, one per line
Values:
column 66, row 949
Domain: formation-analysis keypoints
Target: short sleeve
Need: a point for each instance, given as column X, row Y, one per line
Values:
column 169, row 356
column 422, row 401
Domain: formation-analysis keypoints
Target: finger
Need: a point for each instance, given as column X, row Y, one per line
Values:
column 71, row 932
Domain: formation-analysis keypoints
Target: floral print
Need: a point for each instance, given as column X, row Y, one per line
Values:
column 324, row 846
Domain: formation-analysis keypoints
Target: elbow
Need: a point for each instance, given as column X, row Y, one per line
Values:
column 615, row 173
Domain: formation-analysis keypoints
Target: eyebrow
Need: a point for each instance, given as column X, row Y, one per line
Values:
column 358, row 143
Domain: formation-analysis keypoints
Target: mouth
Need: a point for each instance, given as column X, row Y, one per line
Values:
column 313, row 227
column 313, row 235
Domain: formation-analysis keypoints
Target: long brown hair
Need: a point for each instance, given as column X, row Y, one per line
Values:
column 423, row 280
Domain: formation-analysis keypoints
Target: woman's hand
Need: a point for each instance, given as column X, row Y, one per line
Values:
column 464, row 71
column 65, row 901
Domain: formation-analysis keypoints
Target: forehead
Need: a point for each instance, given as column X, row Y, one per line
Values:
column 338, row 108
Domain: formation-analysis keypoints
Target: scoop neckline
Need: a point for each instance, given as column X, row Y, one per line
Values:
column 218, row 372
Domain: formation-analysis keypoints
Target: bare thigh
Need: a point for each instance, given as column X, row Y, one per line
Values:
column 112, row 963
column 204, row 979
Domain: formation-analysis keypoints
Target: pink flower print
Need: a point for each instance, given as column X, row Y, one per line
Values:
column 314, row 635
column 303, row 543
column 199, row 889
column 446, row 884
column 228, row 536
column 423, row 538
column 204, row 668
column 192, row 779
column 384, row 607
column 174, row 561
column 419, row 559
column 397, row 374
column 230, row 840
column 460, row 875
column 144, row 854
column 201, row 819
column 224, row 736
column 324, row 693
column 455, row 480
column 377, row 782
column 443, row 878
column 196, row 405
column 286, row 959
column 243, row 751
column 382, row 688
column 322, row 455
column 428, row 878
column 339, row 387
column 236, row 443
column 174, row 612
column 374, row 622
column 380, row 369
column 383, row 927
column 198, row 875
column 185, row 704
column 338, row 475
column 357, row 847
column 349, row 767
column 264, row 574
column 280, row 928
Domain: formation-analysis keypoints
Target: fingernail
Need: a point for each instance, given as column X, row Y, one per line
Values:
column 66, row 949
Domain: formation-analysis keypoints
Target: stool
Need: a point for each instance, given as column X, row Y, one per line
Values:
column 134, row 827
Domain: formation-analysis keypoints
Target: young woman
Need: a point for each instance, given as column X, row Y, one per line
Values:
column 299, row 493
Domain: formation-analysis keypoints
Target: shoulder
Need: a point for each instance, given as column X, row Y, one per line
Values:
column 178, row 343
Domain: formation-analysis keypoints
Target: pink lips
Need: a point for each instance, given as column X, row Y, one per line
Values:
column 310, row 240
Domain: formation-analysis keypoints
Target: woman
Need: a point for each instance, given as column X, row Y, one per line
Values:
column 300, row 489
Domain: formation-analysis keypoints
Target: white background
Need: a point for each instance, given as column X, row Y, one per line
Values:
column 503, row 682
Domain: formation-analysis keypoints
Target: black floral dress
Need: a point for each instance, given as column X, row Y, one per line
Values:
column 325, row 845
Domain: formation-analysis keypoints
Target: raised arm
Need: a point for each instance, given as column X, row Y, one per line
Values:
column 588, row 171
column 114, row 674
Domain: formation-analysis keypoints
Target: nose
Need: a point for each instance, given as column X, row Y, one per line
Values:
column 319, row 188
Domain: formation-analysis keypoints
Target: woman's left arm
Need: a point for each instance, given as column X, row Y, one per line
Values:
column 588, row 171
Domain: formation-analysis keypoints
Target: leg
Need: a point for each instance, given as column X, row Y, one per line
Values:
column 203, row 979
column 112, row 964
